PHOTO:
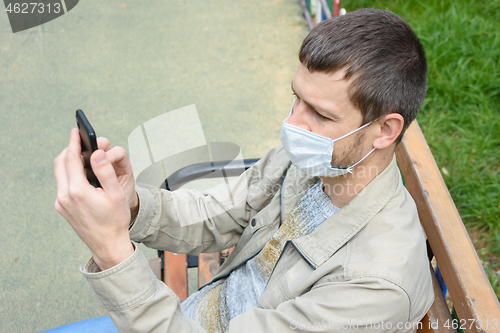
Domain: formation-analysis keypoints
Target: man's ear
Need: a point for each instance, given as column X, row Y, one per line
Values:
column 390, row 126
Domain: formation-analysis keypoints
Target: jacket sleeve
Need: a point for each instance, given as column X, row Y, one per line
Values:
column 138, row 302
column 188, row 221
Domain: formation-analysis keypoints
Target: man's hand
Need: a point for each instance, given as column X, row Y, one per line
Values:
column 123, row 169
column 100, row 216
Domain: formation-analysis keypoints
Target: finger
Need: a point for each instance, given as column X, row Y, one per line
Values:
column 74, row 167
column 60, row 173
column 118, row 157
column 105, row 173
column 104, row 144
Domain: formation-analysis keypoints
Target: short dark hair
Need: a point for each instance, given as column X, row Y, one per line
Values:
column 382, row 54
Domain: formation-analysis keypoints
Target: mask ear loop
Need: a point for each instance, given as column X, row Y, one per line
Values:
column 349, row 169
column 361, row 160
column 357, row 129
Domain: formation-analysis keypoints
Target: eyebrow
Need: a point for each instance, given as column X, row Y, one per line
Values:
column 293, row 90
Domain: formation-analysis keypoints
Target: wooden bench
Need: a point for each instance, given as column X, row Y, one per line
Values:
column 473, row 298
column 469, row 288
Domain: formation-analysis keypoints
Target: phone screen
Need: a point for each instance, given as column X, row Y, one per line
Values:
column 89, row 145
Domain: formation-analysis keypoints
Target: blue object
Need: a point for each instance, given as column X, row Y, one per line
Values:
column 441, row 281
column 94, row 325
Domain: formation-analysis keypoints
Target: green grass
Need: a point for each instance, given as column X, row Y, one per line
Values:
column 460, row 117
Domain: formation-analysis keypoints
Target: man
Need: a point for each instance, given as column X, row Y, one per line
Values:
column 326, row 236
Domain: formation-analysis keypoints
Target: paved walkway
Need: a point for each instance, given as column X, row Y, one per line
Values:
column 122, row 63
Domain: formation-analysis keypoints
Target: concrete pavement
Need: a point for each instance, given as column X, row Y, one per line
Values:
column 123, row 63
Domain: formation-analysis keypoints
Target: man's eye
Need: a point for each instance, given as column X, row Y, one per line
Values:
column 321, row 116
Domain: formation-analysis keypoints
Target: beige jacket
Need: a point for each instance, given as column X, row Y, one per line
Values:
column 365, row 268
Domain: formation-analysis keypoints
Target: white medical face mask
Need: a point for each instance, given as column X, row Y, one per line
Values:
column 311, row 152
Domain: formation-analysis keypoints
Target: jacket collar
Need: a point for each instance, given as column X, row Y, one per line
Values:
column 332, row 234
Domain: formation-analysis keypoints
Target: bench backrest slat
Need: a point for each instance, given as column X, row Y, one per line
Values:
column 435, row 319
column 175, row 274
column 208, row 264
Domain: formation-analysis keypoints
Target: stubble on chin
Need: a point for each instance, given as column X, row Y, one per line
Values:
column 349, row 156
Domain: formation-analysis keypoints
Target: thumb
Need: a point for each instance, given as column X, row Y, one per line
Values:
column 104, row 171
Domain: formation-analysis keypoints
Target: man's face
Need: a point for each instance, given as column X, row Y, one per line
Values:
column 322, row 106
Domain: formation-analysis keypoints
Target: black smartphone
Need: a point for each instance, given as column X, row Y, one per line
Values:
column 89, row 145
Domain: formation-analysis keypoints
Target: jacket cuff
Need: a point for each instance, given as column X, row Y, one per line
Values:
column 122, row 286
column 147, row 211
